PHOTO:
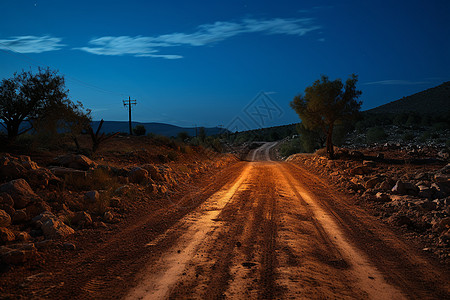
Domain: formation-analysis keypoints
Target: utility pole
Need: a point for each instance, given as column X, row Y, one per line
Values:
column 129, row 103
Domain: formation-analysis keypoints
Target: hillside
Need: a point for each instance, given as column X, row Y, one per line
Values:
column 156, row 128
column 431, row 101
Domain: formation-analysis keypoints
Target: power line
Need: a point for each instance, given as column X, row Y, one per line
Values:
column 129, row 103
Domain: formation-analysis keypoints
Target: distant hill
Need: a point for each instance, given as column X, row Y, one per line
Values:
column 156, row 128
column 432, row 101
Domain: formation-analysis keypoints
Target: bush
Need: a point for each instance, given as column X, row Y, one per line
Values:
column 290, row 147
column 375, row 135
column 139, row 130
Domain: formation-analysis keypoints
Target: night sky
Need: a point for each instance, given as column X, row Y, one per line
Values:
column 203, row 62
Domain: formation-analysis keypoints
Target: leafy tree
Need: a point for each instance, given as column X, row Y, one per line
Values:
column 139, row 130
column 327, row 103
column 40, row 100
column 310, row 140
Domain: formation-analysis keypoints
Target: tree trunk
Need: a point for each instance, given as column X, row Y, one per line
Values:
column 330, row 148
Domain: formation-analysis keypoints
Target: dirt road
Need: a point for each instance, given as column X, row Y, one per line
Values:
column 259, row 229
column 275, row 231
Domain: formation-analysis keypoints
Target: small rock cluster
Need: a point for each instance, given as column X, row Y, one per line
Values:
column 414, row 197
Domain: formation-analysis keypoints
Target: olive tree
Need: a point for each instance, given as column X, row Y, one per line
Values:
column 327, row 103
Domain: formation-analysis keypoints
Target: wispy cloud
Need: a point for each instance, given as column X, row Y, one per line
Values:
column 206, row 34
column 315, row 8
column 31, row 44
column 396, row 82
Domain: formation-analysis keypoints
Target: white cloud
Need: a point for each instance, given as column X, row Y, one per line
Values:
column 31, row 44
column 396, row 82
column 141, row 46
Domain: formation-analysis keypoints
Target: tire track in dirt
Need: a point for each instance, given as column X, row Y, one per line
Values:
column 397, row 261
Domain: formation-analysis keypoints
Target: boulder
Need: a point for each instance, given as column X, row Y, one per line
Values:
column 42, row 177
column 23, row 236
column 360, row 170
column 36, row 208
column 6, row 199
column 387, row 185
column 5, row 219
column 82, row 219
column 425, row 192
column 108, row 217
column 382, row 197
column 138, row 175
column 20, row 191
column 8, row 209
column 78, row 162
column 6, row 235
column 51, row 226
column 20, row 216
column 62, row 172
column 10, row 168
column 372, row 182
column 92, row 196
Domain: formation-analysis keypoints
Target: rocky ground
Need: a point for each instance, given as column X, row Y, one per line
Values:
column 405, row 186
column 47, row 199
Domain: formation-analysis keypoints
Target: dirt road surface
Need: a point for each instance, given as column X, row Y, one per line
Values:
column 260, row 229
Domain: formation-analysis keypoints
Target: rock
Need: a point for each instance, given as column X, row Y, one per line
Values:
column 124, row 189
column 425, row 192
column 42, row 177
column 356, row 154
column 36, row 208
column 20, row 216
column 138, row 175
column 382, row 197
column 108, row 217
column 6, row 199
column 369, row 163
column 5, row 219
column 444, row 238
column 52, row 227
column 387, row 185
column 6, row 235
column 78, row 162
column 371, row 183
column 404, row 188
column 62, row 172
column 153, row 172
column 442, row 225
column 69, row 246
column 360, row 170
column 115, row 202
column 20, row 191
column 400, row 220
column 23, row 236
column 92, row 196
column 82, row 219
column 8, row 209
column 441, row 177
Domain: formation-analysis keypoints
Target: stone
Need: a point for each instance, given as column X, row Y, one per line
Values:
column 372, row 182
column 115, row 202
column 52, row 227
column 6, row 199
column 20, row 191
column 369, row 163
column 124, row 189
column 153, row 172
column 20, row 216
column 82, row 219
column 6, row 235
column 425, row 192
column 387, row 185
column 138, row 175
column 42, row 177
column 442, row 225
column 382, row 197
column 62, row 172
column 399, row 188
column 8, row 209
column 5, row 219
column 360, row 170
column 36, row 208
column 108, row 217
column 78, row 162
column 23, row 236
column 92, row 196
column 69, row 246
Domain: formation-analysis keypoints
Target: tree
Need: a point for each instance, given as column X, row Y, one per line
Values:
column 327, row 103
column 40, row 100
column 139, row 130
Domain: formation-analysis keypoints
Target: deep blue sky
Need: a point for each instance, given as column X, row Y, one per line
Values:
column 203, row 62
